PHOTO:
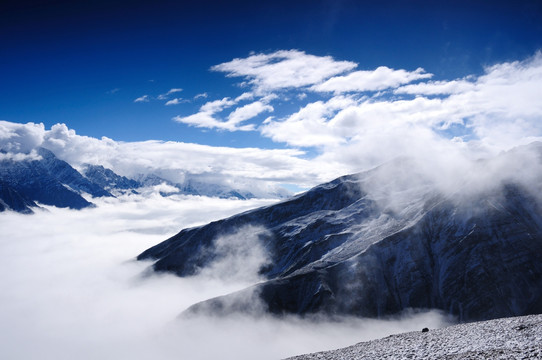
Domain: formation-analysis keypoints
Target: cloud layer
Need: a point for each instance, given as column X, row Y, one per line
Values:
column 328, row 118
column 378, row 114
column 70, row 289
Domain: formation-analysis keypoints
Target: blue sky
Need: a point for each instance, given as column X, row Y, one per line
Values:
column 84, row 64
column 332, row 86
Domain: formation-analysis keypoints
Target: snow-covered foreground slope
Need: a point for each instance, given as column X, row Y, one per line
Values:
column 507, row 338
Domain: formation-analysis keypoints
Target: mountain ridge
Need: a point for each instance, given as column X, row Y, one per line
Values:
column 344, row 248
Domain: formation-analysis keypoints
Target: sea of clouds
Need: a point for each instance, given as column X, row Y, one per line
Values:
column 71, row 288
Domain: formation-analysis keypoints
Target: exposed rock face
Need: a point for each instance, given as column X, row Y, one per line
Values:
column 342, row 249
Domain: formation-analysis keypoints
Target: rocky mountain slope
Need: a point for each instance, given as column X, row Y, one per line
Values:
column 379, row 242
column 47, row 180
column 109, row 180
column 507, row 338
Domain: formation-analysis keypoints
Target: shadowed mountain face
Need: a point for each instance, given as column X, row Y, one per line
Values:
column 47, row 180
column 109, row 180
column 12, row 199
column 373, row 245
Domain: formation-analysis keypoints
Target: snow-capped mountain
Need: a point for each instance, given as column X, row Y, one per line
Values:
column 46, row 180
column 192, row 186
column 378, row 242
column 27, row 180
column 108, row 179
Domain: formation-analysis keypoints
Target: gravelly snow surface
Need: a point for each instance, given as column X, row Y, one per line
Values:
column 508, row 338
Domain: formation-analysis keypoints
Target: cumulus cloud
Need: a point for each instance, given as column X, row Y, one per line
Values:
column 283, row 69
column 488, row 113
column 20, row 138
column 71, row 289
column 311, row 125
column 144, row 98
column 379, row 79
column 259, row 171
column 332, row 134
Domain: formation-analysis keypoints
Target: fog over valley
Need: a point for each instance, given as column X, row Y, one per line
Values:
column 71, row 288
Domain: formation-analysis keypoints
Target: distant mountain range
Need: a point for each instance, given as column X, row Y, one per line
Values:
column 378, row 242
column 45, row 179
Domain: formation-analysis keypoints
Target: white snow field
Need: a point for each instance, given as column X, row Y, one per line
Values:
column 507, row 338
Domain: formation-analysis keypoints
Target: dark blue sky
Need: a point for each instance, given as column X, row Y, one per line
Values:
column 84, row 62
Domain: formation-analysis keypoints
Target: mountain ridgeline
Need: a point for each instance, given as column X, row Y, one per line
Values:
column 42, row 178
column 376, row 243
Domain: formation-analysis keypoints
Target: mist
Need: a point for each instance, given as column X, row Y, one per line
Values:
column 72, row 289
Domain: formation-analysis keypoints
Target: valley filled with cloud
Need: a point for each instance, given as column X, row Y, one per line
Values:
column 72, row 289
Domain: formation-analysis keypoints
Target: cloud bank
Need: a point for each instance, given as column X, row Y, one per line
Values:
column 328, row 119
column 71, row 289
column 354, row 119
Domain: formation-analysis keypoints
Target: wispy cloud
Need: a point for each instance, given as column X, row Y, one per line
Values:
column 174, row 90
column 479, row 115
column 379, row 79
column 283, row 69
column 175, row 101
column 248, row 112
column 167, row 94
column 144, row 98
column 207, row 115
column 437, row 87
column 113, row 91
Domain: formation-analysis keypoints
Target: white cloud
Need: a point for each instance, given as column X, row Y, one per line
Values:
column 20, row 138
column 480, row 115
column 144, row 98
column 77, row 293
column 206, row 117
column 166, row 95
column 437, row 87
column 245, row 96
column 492, row 112
column 248, row 111
column 217, row 105
column 175, row 101
column 379, row 79
column 259, row 171
column 201, row 96
column 10, row 156
column 310, row 126
column 283, row 69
